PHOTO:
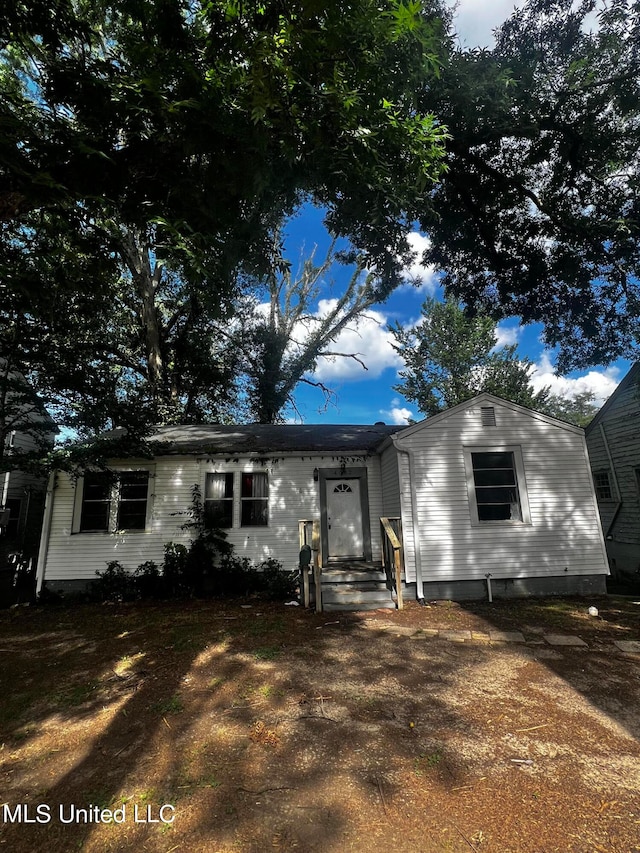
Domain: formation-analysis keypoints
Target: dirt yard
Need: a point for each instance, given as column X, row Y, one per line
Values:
column 204, row 726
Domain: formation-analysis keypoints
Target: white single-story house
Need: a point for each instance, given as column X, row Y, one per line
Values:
column 487, row 496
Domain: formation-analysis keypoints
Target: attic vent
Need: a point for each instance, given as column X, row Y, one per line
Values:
column 488, row 415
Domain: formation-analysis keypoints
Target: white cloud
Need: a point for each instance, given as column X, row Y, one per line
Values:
column 398, row 415
column 367, row 338
column 476, row 19
column 507, row 335
column 426, row 275
column 601, row 383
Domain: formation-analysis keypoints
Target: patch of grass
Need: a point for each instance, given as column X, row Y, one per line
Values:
column 172, row 705
column 267, row 653
column 74, row 696
column 426, row 761
column 100, row 798
column 214, row 683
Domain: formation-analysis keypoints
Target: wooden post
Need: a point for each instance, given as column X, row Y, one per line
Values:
column 398, row 565
column 317, row 564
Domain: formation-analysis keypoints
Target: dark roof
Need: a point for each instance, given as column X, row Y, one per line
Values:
column 633, row 376
column 269, row 438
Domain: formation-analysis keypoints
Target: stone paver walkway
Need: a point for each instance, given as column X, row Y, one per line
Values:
column 496, row 637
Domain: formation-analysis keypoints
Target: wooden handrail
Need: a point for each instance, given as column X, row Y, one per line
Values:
column 391, row 534
column 387, row 531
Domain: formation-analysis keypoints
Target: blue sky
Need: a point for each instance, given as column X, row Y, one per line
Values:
column 366, row 396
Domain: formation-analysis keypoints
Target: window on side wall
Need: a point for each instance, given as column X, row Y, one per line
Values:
column 114, row 502
column 495, row 480
column 254, row 500
column 602, row 483
column 218, row 500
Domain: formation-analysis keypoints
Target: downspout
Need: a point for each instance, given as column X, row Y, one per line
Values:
column 608, row 534
column 414, row 516
column 46, row 532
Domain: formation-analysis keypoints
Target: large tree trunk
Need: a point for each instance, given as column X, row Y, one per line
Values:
column 135, row 251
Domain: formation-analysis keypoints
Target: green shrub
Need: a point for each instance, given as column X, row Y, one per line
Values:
column 277, row 584
column 174, row 570
column 115, row 583
column 148, row 580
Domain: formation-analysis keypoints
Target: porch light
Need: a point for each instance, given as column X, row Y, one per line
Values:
column 316, row 475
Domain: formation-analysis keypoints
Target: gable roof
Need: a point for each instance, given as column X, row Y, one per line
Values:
column 487, row 399
column 632, row 377
column 269, row 438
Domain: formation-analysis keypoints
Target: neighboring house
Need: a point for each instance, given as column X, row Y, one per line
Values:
column 613, row 440
column 22, row 493
column 487, row 489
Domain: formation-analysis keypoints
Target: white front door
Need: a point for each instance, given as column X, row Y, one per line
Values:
column 344, row 519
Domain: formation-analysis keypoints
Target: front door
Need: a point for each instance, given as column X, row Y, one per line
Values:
column 344, row 520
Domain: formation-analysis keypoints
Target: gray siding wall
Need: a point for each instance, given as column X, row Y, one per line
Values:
column 293, row 495
column 621, row 425
column 563, row 536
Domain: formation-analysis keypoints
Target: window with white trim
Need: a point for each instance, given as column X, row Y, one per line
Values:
column 113, row 501
column 495, row 479
column 236, row 499
column 218, row 500
column 602, row 484
column 254, row 500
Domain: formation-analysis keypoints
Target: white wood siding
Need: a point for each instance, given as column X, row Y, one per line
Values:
column 293, row 495
column 564, row 534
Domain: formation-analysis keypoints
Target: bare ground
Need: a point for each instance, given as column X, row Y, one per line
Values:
column 270, row 728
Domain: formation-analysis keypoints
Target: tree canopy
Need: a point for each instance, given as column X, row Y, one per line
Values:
column 152, row 149
column 538, row 214
column 449, row 358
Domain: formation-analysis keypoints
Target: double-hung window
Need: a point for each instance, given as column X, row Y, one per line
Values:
column 113, row 501
column 254, row 500
column 495, row 480
column 236, row 499
column 218, row 500
column 602, row 484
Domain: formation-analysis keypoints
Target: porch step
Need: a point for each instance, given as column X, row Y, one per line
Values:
column 356, row 599
column 355, row 586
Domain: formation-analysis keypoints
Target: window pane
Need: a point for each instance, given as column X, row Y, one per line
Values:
column 497, row 477
column 254, row 513
column 495, row 496
column 96, row 502
column 496, row 489
column 95, row 515
column 218, row 486
column 134, row 485
column 132, row 505
column 97, row 487
column 494, row 512
column 603, row 485
column 132, row 515
column 498, row 459
column 218, row 504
